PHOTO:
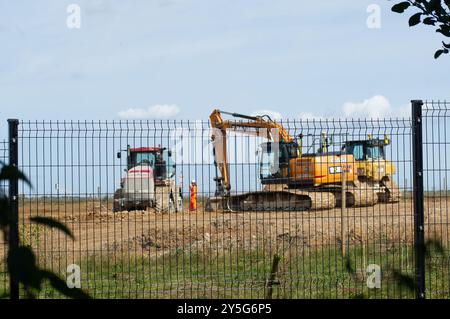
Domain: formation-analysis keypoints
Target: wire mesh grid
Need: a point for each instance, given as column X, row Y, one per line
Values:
column 4, row 192
column 436, row 147
column 274, row 231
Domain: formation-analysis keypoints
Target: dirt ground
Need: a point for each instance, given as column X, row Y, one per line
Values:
column 98, row 230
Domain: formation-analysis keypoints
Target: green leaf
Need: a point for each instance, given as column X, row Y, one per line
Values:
column 432, row 5
column 429, row 21
column 401, row 7
column 445, row 30
column 9, row 172
column 4, row 211
column 404, row 281
column 415, row 19
column 438, row 54
column 61, row 286
column 4, row 295
column 21, row 263
column 52, row 223
column 446, row 45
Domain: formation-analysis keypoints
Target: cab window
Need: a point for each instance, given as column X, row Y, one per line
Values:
column 375, row 152
column 357, row 151
column 270, row 158
column 169, row 164
column 143, row 158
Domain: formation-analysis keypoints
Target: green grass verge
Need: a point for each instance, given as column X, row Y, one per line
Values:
column 310, row 273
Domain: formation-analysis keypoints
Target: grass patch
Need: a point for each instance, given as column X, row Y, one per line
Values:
column 303, row 273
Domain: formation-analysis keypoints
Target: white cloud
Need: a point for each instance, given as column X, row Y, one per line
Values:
column 375, row 107
column 274, row 115
column 159, row 111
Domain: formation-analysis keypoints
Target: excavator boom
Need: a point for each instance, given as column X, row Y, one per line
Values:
column 261, row 126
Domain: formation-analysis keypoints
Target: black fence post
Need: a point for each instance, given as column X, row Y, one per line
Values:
column 418, row 196
column 13, row 239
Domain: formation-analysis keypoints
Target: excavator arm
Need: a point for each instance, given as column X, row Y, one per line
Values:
column 261, row 126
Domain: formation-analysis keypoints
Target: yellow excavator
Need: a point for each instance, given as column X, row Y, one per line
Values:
column 292, row 181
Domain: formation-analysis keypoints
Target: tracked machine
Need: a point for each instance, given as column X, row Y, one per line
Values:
column 372, row 168
column 293, row 181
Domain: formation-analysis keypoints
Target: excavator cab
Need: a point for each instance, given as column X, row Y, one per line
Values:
column 274, row 160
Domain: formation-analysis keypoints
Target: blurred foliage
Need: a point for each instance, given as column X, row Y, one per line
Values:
column 434, row 13
column 21, row 260
column 433, row 248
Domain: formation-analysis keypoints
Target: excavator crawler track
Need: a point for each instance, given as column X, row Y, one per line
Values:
column 277, row 198
column 283, row 200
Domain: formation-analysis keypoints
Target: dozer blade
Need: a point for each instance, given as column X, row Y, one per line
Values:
column 360, row 195
column 391, row 193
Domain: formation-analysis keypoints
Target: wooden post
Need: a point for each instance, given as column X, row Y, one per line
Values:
column 406, row 187
column 343, row 213
column 273, row 275
column 407, row 257
column 401, row 259
column 364, row 255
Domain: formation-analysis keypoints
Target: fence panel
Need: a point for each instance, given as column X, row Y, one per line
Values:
column 4, row 281
column 264, row 248
column 436, row 146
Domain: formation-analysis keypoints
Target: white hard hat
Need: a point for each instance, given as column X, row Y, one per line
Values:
column 193, row 181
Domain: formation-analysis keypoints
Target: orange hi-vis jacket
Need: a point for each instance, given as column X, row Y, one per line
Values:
column 193, row 197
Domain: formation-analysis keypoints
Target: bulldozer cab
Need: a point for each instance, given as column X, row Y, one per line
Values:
column 371, row 149
column 274, row 159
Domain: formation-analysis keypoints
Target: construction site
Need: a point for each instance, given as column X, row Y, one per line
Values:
column 238, row 206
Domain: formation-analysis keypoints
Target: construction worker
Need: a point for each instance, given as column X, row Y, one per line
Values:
column 193, row 196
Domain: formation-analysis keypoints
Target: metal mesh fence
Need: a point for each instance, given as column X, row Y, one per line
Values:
column 276, row 229
column 3, row 191
column 436, row 147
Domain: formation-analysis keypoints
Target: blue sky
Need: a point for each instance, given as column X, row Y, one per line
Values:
column 182, row 58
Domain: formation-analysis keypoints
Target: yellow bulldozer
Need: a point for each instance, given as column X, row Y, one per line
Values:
column 293, row 181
